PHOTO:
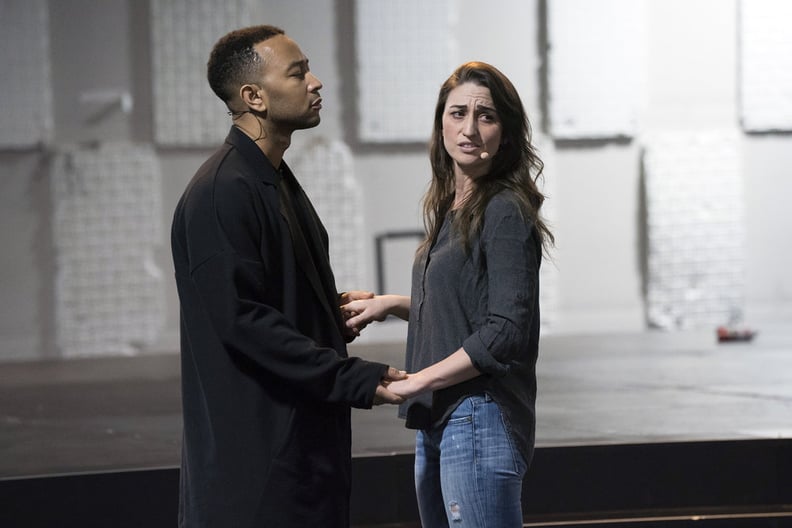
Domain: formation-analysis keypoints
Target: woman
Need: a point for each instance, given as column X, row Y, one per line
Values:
column 474, row 311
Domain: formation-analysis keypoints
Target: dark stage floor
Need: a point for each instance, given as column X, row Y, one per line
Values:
column 123, row 413
column 113, row 414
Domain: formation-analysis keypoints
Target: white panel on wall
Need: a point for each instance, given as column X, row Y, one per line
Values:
column 596, row 67
column 766, row 65
column 183, row 32
column 26, row 101
column 549, row 295
column 325, row 171
column 106, row 226
column 695, row 229
column 405, row 50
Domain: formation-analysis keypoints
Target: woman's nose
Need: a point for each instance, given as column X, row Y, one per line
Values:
column 469, row 127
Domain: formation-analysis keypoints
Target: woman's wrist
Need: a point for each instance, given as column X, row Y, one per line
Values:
column 396, row 305
column 413, row 385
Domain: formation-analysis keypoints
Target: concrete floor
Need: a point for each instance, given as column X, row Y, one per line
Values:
column 124, row 413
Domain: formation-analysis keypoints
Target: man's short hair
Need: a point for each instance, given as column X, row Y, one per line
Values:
column 233, row 61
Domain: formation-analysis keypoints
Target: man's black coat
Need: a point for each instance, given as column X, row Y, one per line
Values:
column 266, row 381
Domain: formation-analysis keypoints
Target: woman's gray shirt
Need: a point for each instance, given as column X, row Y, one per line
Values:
column 485, row 300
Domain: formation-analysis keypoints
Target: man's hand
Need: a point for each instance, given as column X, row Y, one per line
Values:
column 354, row 295
column 351, row 332
column 394, row 374
column 383, row 395
column 360, row 312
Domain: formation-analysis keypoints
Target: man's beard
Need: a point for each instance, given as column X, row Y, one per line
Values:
column 298, row 123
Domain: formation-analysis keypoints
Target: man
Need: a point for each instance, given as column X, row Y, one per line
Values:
column 266, row 381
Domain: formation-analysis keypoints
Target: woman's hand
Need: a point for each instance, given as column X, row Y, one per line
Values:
column 454, row 369
column 408, row 387
column 350, row 333
column 360, row 312
column 384, row 394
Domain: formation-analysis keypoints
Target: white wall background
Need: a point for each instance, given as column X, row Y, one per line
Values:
column 692, row 84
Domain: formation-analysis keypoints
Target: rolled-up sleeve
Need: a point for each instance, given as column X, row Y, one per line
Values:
column 509, row 253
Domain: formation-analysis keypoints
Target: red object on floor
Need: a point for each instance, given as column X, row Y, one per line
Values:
column 726, row 334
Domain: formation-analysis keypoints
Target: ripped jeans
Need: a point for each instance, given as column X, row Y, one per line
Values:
column 468, row 473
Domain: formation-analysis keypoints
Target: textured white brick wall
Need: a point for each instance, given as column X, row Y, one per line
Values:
column 325, row 171
column 405, row 50
column 26, row 101
column 183, row 32
column 766, row 65
column 695, row 228
column 107, row 222
column 596, row 67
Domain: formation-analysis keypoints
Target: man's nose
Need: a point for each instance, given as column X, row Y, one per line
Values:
column 314, row 83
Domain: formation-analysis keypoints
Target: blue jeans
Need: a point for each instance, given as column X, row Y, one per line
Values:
column 468, row 472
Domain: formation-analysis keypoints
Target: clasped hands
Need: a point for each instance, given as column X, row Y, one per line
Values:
column 360, row 308
column 384, row 392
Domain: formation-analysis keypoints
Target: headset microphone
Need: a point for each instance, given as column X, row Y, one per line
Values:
column 484, row 155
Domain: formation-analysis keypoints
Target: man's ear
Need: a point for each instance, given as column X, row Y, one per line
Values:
column 253, row 97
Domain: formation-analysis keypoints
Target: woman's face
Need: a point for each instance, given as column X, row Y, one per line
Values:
column 471, row 129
